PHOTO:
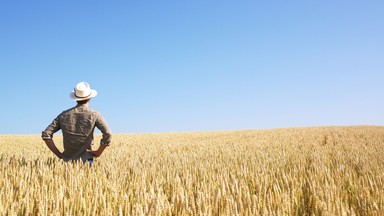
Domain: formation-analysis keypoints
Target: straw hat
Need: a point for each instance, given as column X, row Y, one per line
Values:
column 82, row 91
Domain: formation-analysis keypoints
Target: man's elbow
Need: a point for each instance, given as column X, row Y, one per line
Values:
column 107, row 138
column 46, row 136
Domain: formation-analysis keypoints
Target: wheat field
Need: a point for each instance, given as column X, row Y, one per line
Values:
column 294, row 171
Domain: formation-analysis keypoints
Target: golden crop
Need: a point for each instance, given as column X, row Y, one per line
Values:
column 298, row 171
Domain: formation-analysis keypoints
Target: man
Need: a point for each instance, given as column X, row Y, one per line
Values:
column 78, row 124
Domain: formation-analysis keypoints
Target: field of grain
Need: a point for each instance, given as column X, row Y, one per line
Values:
column 296, row 171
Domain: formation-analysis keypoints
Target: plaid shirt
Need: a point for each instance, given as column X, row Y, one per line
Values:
column 78, row 125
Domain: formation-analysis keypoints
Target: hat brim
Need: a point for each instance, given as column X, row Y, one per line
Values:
column 74, row 97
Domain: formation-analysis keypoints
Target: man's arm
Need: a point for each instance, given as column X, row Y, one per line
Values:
column 47, row 135
column 51, row 129
column 105, row 141
column 98, row 152
column 102, row 125
column 51, row 145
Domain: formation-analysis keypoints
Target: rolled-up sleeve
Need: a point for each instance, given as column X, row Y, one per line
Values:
column 102, row 125
column 51, row 129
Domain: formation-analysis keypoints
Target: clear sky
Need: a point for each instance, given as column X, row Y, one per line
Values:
column 193, row 65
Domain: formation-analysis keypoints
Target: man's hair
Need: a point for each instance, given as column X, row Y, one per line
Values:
column 83, row 101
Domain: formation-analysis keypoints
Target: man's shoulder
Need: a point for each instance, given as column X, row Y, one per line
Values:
column 92, row 111
column 95, row 112
column 67, row 111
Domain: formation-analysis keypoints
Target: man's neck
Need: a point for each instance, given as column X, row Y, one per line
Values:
column 85, row 104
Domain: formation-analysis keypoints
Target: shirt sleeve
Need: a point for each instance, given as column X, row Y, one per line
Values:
column 102, row 125
column 51, row 129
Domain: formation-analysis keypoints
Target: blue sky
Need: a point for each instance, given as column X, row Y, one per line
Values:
column 193, row 65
